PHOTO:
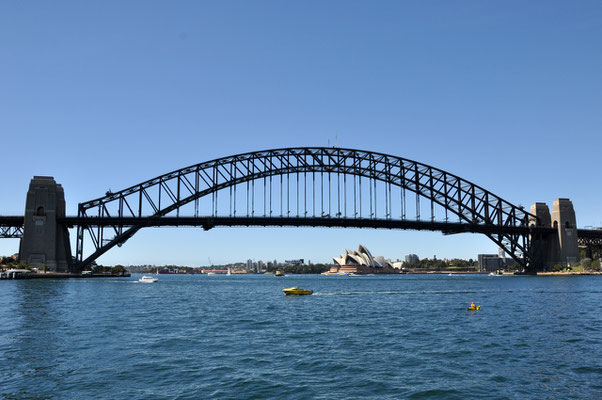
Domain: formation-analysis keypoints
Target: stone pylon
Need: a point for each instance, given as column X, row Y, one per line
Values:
column 564, row 220
column 561, row 246
column 45, row 243
column 544, row 247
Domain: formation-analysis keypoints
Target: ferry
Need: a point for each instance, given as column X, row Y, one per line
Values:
column 279, row 273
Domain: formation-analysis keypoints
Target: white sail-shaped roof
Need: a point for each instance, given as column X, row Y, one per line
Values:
column 362, row 257
column 366, row 253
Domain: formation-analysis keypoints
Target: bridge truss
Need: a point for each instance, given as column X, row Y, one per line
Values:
column 11, row 232
column 589, row 237
column 304, row 187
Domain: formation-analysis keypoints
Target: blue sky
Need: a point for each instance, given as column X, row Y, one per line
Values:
column 106, row 94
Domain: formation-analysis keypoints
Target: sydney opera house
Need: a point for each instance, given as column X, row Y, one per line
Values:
column 361, row 262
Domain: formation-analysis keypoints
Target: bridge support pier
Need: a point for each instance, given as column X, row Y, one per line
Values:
column 45, row 243
column 564, row 220
column 544, row 247
column 561, row 246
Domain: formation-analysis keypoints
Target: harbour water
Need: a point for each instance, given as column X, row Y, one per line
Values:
column 239, row 337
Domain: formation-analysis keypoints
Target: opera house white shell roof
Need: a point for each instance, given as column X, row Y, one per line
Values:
column 362, row 257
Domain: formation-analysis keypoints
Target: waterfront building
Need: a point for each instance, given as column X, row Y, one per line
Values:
column 493, row 262
column 398, row 264
column 360, row 261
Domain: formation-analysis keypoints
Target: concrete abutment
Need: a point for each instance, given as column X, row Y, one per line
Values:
column 45, row 242
column 559, row 247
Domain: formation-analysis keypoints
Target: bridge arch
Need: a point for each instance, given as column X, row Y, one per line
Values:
column 143, row 204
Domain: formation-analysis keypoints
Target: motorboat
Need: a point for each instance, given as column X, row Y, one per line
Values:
column 296, row 291
column 279, row 273
column 148, row 279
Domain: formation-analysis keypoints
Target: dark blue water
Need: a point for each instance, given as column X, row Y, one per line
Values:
column 239, row 337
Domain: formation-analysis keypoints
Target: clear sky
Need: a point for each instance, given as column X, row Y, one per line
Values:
column 105, row 94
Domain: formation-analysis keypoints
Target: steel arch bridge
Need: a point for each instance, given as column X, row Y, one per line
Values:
column 305, row 186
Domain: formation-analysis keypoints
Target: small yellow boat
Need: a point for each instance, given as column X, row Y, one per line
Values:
column 296, row 291
column 279, row 273
column 473, row 308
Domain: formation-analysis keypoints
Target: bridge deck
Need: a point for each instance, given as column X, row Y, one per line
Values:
column 211, row 222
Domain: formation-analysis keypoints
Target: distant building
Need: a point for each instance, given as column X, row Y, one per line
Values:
column 250, row 264
column 493, row 262
column 362, row 257
column 360, row 262
column 411, row 257
column 295, row 262
column 398, row 264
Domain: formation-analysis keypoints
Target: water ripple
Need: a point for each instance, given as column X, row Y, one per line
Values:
column 239, row 337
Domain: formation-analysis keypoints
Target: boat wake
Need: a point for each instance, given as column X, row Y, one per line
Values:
column 398, row 292
column 357, row 293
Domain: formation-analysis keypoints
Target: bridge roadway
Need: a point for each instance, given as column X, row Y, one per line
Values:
column 593, row 236
column 208, row 222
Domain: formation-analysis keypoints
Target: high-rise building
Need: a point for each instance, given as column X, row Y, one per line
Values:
column 411, row 257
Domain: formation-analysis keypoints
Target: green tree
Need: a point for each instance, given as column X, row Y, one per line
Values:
column 23, row 265
column 119, row 270
column 557, row 268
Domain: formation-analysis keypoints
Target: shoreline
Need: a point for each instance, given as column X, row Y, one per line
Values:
column 60, row 275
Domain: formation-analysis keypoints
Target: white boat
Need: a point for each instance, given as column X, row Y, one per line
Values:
column 148, row 279
column 210, row 273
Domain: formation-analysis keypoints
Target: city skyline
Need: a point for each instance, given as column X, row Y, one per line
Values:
column 505, row 97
